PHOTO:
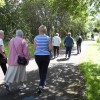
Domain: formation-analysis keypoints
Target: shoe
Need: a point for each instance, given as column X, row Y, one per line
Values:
column 22, row 87
column 8, row 88
column 45, row 88
column 40, row 88
column 68, row 57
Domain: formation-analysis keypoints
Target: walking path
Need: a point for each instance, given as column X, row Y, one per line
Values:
column 64, row 80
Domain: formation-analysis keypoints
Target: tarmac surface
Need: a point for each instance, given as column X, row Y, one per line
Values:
column 64, row 79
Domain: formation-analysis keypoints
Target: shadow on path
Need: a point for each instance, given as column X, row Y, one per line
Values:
column 64, row 81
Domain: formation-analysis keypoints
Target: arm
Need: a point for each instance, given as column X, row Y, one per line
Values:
column 1, row 49
column 34, row 45
column 26, row 50
column 73, row 41
column 50, row 46
column 60, row 39
column 3, row 54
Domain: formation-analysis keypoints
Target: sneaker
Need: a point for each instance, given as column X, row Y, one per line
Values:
column 45, row 88
column 22, row 87
column 8, row 88
column 40, row 88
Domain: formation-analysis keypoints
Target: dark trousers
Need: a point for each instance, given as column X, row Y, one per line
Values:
column 56, row 50
column 42, row 62
column 78, row 47
column 68, row 50
column 3, row 65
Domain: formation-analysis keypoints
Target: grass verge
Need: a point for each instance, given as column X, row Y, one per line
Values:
column 91, row 70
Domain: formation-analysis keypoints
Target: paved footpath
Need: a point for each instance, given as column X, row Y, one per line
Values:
column 64, row 80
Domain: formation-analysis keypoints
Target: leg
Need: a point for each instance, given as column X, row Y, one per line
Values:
column 39, row 63
column 4, row 67
column 57, row 51
column 45, row 63
column 77, row 48
column 54, row 49
column 80, row 48
column 69, row 54
column 66, row 51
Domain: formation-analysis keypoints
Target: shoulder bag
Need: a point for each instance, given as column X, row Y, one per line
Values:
column 20, row 60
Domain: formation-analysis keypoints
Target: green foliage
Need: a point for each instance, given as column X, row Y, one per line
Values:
column 92, row 76
column 76, row 8
column 94, row 6
column 31, row 50
column 98, row 40
column 91, row 70
column 58, row 15
column 97, row 25
column 2, row 3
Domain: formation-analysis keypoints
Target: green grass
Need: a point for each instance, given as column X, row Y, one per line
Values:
column 91, row 70
column 31, row 50
column 93, row 54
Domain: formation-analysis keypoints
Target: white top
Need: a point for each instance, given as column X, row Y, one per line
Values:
column 56, row 41
column 2, row 44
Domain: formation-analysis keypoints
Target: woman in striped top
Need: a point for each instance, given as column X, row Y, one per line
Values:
column 42, row 46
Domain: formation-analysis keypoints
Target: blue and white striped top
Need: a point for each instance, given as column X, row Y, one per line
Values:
column 42, row 44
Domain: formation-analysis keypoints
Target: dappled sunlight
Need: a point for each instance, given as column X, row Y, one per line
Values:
column 62, row 83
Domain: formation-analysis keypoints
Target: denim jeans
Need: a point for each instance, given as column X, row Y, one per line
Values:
column 42, row 62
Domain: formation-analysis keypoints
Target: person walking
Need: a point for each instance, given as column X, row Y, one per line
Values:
column 56, row 44
column 16, row 72
column 92, row 36
column 3, row 59
column 68, row 42
column 78, row 43
column 42, row 47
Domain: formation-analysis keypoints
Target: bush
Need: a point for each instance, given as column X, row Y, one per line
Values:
column 98, row 40
column 91, row 73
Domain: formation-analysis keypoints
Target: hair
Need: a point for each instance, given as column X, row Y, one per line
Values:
column 69, row 34
column 43, row 29
column 19, row 32
column 57, row 34
column 1, row 32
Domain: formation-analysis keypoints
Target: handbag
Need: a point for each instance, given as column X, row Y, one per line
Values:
column 3, row 60
column 21, row 60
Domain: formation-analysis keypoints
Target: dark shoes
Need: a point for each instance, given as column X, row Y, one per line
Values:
column 8, row 88
column 40, row 89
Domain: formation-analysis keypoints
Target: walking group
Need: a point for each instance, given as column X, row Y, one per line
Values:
column 18, row 56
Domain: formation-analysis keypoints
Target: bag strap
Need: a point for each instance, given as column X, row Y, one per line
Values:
column 15, row 47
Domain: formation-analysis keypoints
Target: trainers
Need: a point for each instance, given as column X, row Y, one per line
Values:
column 39, row 89
column 45, row 88
column 22, row 87
column 8, row 88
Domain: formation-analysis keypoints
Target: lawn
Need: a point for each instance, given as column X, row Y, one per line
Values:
column 91, row 70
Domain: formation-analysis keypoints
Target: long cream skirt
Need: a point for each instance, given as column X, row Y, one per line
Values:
column 16, row 74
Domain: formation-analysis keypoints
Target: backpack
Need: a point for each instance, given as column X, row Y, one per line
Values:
column 79, row 40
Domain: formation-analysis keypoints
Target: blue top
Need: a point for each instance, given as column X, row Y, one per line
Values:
column 68, row 41
column 42, row 44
